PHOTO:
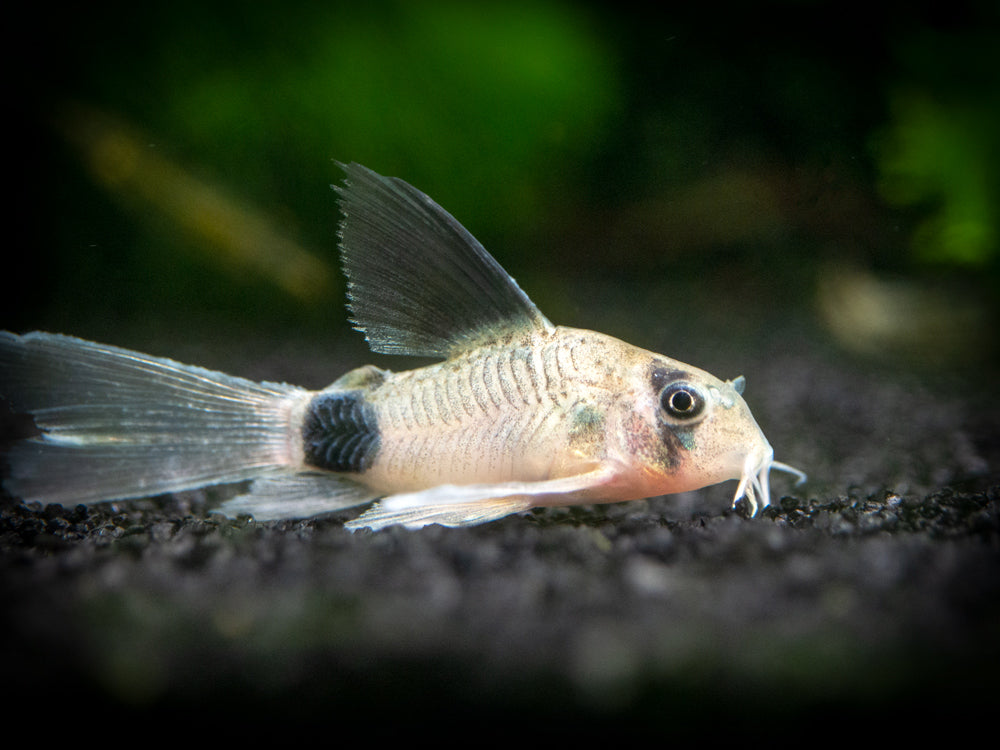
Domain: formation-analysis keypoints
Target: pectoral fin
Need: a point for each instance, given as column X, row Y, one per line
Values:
column 468, row 505
column 468, row 513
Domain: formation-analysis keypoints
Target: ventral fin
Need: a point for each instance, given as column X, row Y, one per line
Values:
column 418, row 282
column 470, row 504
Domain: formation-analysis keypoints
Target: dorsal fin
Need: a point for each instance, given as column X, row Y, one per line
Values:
column 418, row 282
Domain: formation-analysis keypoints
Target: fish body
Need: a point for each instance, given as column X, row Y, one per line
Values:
column 557, row 404
column 519, row 413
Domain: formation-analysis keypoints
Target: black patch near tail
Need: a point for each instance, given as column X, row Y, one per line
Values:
column 340, row 432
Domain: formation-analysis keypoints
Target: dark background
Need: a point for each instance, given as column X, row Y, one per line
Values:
column 802, row 192
column 177, row 156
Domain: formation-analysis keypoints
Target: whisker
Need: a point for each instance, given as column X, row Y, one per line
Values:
column 764, row 483
column 753, row 481
column 801, row 475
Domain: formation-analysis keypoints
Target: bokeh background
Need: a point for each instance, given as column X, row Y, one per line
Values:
column 716, row 167
column 802, row 192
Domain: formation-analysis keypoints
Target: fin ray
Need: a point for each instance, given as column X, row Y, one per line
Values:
column 297, row 496
column 117, row 424
column 467, row 505
column 418, row 282
column 468, row 513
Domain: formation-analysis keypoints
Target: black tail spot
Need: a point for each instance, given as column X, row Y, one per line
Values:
column 340, row 432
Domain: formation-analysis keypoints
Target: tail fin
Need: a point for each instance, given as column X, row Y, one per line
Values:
column 118, row 424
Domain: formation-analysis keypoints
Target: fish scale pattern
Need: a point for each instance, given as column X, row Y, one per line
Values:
column 486, row 416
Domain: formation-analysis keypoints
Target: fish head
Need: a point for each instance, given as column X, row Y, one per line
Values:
column 681, row 428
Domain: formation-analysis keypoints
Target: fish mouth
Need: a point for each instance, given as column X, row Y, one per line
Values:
column 754, row 481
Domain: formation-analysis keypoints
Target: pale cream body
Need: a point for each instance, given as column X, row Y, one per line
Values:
column 545, row 405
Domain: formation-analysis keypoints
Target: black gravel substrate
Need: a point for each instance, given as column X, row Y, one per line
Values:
column 871, row 594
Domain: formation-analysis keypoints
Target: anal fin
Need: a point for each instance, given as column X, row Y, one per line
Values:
column 297, row 496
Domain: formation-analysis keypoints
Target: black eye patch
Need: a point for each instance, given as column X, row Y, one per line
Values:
column 661, row 376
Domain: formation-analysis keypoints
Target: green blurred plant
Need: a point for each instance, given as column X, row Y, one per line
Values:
column 234, row 115
column 939, row 157
column 940, row 153
column 465, row 99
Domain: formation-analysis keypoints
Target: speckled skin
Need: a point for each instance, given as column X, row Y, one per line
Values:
column 553, row 404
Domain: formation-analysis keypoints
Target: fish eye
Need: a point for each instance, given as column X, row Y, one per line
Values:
column 682, row 401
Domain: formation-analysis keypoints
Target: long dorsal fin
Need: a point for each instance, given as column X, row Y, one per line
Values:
column 418, row 282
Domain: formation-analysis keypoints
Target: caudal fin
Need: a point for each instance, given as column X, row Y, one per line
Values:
column 118, row 424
